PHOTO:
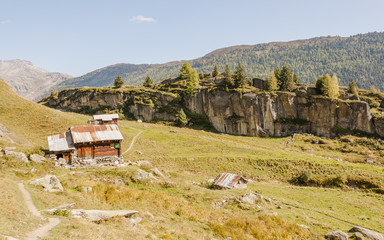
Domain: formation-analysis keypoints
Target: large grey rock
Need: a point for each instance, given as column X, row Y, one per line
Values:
column 251, row 198
column 99, row 215
column 370, row 234
column 63, row 207
column 50, row 183
column 142, row 175
column 36, row 158
column 157, row 172
column 18, row 155
column 336, row 235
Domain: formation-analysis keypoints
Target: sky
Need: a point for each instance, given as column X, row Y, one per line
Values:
column 79, row 36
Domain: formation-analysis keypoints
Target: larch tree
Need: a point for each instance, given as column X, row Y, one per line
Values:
column 271, row 83
column 352, row 88
column 193, row 82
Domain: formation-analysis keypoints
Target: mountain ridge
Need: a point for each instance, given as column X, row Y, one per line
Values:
column 357, row 57
column 29, row 81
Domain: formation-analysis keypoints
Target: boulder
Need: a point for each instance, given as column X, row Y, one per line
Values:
column 135, row 221
column 336, row 235
column 18, row 155
column 99, row 215
column 157, row 172
column 251, row 198
column 63, row 208
column 144, row 163
column 370, row 234
column 86, row 189
column 357, row 236
column 36, row 158
column 50, row 183
column 142, row 175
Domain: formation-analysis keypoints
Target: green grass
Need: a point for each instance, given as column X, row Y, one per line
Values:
column 186, row 209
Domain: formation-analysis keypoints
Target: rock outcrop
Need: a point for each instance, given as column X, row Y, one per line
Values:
column 251, row 113
column 50, row 183
column 336, row 235
column 369, row 234
column 99, row 215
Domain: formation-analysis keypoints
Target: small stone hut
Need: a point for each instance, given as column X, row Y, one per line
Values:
column 229, row 181
column 90, row 142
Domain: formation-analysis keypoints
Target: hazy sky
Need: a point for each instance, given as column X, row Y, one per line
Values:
column 79, row 36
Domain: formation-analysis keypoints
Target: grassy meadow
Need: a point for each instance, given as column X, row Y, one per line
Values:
column 317, row 185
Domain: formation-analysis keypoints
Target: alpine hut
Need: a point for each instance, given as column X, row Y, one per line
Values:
column 98, row 142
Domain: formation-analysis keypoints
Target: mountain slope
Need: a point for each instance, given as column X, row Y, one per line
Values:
column 29, row 81
column 30, row 123
column 359, row 57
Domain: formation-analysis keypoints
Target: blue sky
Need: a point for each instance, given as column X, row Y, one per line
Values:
column 79, row 36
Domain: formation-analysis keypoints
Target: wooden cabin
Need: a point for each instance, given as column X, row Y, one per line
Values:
column 87, row 142
column 105, row 119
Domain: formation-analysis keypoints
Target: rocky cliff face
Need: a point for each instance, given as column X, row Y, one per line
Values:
column 252, row 114
column 280, row 114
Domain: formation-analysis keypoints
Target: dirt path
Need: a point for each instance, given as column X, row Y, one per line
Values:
column 42, row 231
column 132, row 142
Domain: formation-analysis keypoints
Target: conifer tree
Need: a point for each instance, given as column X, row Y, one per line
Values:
column 119, row 82
column 228, row 76
column 352, row 88
column 181, row 118
column 295, row 78
column 373, row 90
column 271, row 83
column 215, row 71
column 147, row 82
column 185, row 70
column 201, row 75
column 333, row 91
column 193, row 82
column 328, row 86
column 285, row 79
column 239, row 77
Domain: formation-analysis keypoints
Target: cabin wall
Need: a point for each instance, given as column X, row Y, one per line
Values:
column 99, row 149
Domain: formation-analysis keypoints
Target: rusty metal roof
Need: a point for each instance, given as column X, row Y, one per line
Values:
column 227, row 180
column 95, row 133
column 60, row 143
column 106, row 117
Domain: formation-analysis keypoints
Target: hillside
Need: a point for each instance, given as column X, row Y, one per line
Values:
column 308, row 185
column 358, row 57
column 29, row 81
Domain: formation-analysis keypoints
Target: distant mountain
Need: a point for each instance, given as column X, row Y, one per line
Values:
column 359, row 57
column 29, row 81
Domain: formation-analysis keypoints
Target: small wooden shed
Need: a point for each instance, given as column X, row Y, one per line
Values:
column 105, row 118
column 228, row 180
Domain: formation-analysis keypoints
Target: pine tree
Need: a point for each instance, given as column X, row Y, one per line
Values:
column 147, row 82
column 181, row 118
column 119, row 82
column 352, row 88
column 239, row 77
column 215, row 71
column 271, row 83
column 185, row 70
column 228, row 76
column 296, row 78
column 193, row 82
column 285, row 79
column 201, row 75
